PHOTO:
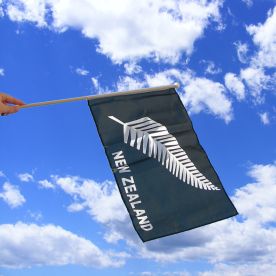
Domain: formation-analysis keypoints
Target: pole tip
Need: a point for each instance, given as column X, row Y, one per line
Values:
column 176, row 85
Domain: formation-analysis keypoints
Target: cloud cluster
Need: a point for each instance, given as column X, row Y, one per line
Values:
column 101, row 200
column 132, row 68
column 264, row 37
column 202, row 94
column 211, row 68
column 249, row 3
column 127, row 29
column 252, row 269
column 255, row 75
column 164, row 273
column 1, row 9
column 265, row 118
column 255, row 203
column 246, row 243
column 82, row 72
column 242, row 51
column 235, row 85
column 160, row 31
column 256, row 80
column 46, row 184
column 199, row 95
column 28, row 177
column 29, row 10
column 236, row 242
column 26, row 245
column 25, row 177
column 12, row 196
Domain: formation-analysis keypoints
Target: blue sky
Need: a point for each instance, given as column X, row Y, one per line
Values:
column 61, row 213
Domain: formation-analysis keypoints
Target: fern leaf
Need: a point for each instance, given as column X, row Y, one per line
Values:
column 154, row 140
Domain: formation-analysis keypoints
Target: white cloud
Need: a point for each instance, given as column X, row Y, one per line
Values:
column 28, row 10
column 95, row 82
column 264, row 118
column 166, row 77
column 127, row 29
column 252, row 269
column 147, row 273
column 12, row 196
column 165, row 273
column 101, row 200
column 235, row 85
column 202, row 94
column 225, row 241
column 37, row 216
column 25, row 177
column 242, row 51
column 98, row 89
column 1, row 9
column 176, row 273
column 46, row 184
column 264, row 36
column 256, row 76
column 199, row 95
column 249, row 3
column 27, row 245
column 211, row 68
column 247, row 243
column 82, row 72
column 132, row 68
column 76, row 207
column 2, row 174
column 255, row 203
column 2, row 71
column 256, row 80
column 128, row 83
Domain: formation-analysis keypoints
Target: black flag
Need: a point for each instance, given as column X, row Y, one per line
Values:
column 164, row 176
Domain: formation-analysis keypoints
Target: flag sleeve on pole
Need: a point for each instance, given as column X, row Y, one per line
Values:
column 163, row 174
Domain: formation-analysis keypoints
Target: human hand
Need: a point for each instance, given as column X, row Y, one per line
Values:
column 9, row 104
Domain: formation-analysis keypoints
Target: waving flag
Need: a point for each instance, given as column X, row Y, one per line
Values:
column 163, row 174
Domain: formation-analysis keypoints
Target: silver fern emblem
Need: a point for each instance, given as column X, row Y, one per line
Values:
column 153, row 139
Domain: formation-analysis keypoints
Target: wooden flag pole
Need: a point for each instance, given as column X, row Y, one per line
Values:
column 91, row 97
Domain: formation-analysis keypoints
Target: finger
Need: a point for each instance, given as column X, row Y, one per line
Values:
column 8, row 109
column 4, row 108
column 12, row 100
column 13, row 109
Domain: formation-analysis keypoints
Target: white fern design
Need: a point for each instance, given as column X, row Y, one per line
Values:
column 153, row 139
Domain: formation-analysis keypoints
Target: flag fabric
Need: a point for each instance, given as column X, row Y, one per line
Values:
column 164, row 176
